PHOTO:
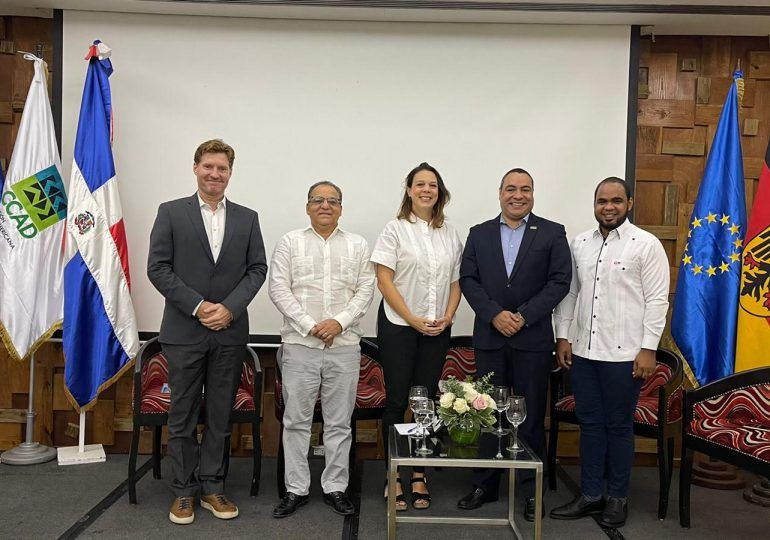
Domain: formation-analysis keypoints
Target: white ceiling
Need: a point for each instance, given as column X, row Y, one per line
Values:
column 574, row 12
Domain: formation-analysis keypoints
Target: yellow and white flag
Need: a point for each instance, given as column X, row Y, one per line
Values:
column 33, row 209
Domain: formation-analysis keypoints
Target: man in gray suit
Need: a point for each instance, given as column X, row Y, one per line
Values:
column 207, row 259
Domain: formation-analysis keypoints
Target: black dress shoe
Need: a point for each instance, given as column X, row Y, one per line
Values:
column 577, row 509
column 475, row 499
column 289, row 503
column 615, row 513
column 340, row 503
column 529, row 509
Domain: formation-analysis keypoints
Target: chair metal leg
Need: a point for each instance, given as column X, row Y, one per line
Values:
column 685, row 476
column 553, row 440
column 132, row 464
column 663, row 476
column 257, row 456
column 280, row 466
column 158, row 430
column 352, row 458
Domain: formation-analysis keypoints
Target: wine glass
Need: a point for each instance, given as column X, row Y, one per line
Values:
column 423, row 414
column 500, row 394
column 516, row 414
column 417, row 394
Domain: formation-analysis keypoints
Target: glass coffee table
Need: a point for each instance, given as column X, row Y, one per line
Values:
column 447, row 454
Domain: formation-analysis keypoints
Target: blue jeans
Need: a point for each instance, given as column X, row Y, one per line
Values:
column 605, row 400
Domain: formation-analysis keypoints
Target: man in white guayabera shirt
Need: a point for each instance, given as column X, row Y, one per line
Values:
column 322, row 282
column 618, row 298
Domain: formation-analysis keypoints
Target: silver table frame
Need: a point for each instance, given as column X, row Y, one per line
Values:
column 395, row 461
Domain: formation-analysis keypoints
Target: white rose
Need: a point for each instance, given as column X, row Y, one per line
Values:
column 447, row 400
column 466, row 386
column 460, row 405
column 490, row 401
column 471, row 394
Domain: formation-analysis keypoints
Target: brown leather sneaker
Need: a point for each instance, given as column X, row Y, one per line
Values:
column 182, row 511
column 220, row 506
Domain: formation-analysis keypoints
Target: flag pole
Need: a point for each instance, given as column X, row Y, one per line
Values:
column 29, row 452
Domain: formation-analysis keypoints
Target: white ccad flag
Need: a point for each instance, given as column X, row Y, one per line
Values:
column 33, row 211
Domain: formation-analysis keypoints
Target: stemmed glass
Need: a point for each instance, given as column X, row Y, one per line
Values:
column 500, row 394
column 423, row 414
column 516, row 414
column 417, row 394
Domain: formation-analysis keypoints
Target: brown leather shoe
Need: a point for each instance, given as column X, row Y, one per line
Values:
column 220, row 506
column 182, row 511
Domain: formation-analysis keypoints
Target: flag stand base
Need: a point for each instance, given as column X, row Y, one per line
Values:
column 28, row 453
column 72, row 455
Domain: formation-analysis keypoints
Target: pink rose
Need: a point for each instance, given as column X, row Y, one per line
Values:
column 479, row 403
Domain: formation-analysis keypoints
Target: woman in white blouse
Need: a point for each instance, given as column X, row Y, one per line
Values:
column 418, row 271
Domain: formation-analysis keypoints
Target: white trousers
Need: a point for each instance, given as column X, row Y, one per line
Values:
column 305, row 371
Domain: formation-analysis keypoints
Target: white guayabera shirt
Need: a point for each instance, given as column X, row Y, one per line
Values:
column 425, row 262
column 313, row 279
column 620, row 287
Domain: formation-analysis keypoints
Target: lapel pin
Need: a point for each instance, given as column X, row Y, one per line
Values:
column 533, row 227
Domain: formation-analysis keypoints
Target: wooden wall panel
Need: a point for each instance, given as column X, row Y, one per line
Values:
column 677, row 156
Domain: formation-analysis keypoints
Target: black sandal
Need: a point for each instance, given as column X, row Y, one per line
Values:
column 420, row 501
column 400, row 499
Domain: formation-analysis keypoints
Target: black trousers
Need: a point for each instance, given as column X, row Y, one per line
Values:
column 526, row 373
column 408, row 359
column 218, row 367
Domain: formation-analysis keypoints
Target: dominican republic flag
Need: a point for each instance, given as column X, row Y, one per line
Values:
column 33, row 209
column 99, row 331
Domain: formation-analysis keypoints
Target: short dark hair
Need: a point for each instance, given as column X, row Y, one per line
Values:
column 214, row 146
column 517, row 170
column 614, row 180
column 405, row 210
column 324, row 183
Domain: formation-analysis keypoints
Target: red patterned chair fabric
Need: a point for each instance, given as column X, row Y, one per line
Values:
column 647, row 406
column 370, row 393
column 739, row 420
column 156, row 399
column 728, row 420
column 460, row 363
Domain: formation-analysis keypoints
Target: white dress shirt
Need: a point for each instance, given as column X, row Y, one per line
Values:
column 620, row 286
column 214, row 223
column 425, row 262
column 313, row 279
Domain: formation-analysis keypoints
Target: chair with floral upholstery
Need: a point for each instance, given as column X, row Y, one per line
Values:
column 370, row 404
column 152, row 398
column 729, row 420
column 662, row 391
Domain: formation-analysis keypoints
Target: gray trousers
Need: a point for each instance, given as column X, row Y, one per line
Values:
column 218, row 367
column 335, row 372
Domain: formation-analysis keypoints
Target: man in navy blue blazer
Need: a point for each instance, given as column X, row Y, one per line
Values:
column 515, row 270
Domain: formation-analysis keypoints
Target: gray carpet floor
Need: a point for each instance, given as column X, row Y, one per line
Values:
column 715, row 514
column 44, row 501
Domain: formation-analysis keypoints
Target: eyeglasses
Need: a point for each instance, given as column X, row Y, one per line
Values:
column 318, row 201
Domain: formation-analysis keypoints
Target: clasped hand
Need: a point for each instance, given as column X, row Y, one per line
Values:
column 428, row 327
column 508, row 323
column 326, row 331
column 215, row 317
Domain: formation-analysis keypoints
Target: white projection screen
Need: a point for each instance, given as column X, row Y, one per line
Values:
column 358, row 103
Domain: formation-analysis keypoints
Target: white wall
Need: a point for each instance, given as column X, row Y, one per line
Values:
column 358, row 103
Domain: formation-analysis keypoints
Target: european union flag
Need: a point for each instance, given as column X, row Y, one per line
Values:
column 705, row 308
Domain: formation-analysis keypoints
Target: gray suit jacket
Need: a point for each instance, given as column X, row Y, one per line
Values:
column 181, row 266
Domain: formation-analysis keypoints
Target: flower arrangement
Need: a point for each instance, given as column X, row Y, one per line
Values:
column 465, row 406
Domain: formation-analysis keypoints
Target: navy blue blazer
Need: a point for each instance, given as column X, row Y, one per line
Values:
column 539, row 281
